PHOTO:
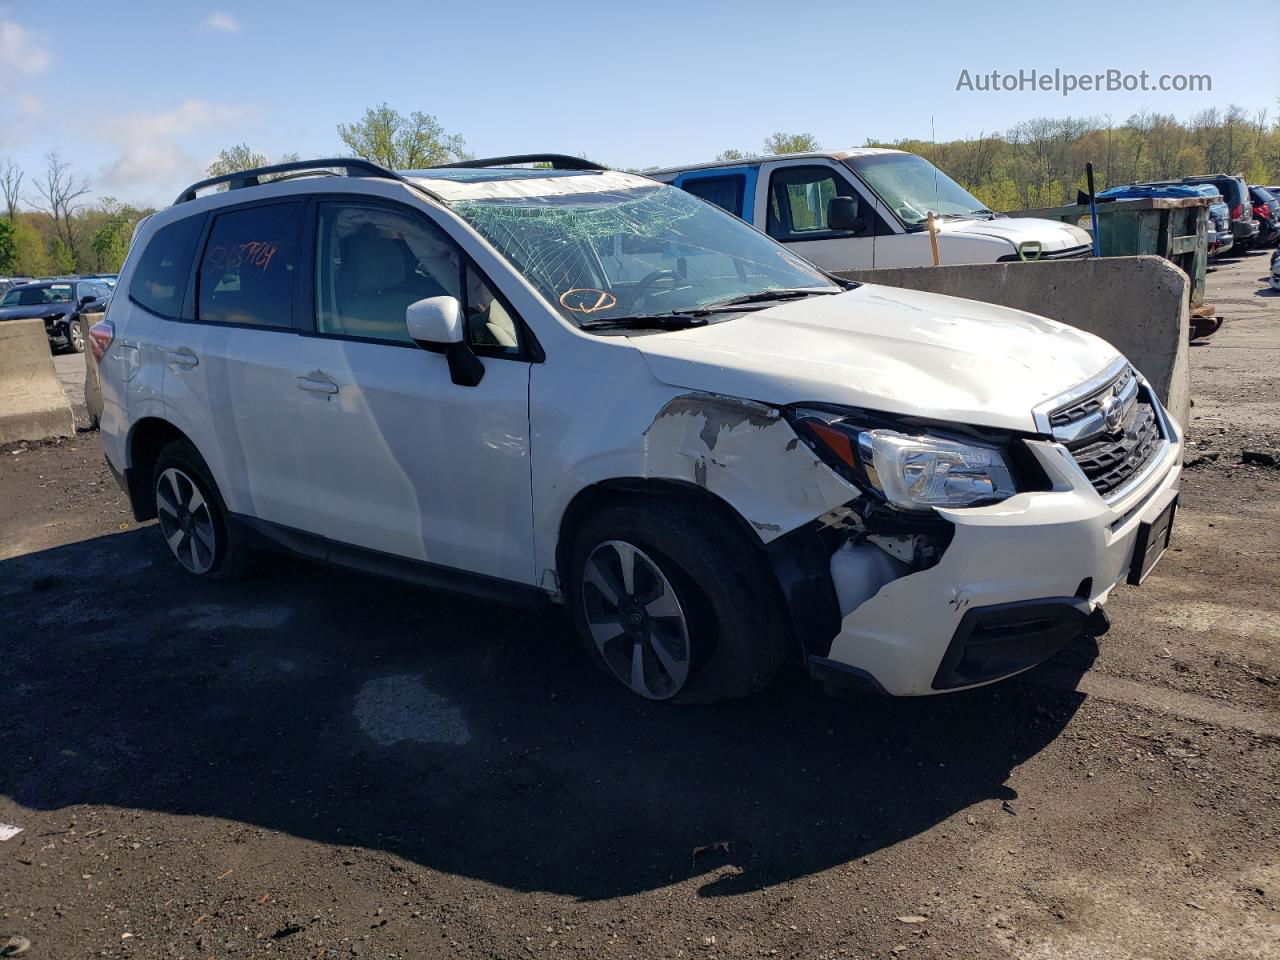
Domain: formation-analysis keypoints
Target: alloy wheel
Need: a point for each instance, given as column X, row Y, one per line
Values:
column 636, row 619
column 185, row 521
column 76, row 335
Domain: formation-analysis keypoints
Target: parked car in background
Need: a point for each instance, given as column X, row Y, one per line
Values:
column 584, row 386
column 853, row 209
column 1235, row 192
column 1266, row 209
column 108, row 278
column 8, row 283
column 60, row 303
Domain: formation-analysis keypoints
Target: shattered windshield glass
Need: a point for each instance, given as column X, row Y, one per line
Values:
column 912, row 186
column 635, row 252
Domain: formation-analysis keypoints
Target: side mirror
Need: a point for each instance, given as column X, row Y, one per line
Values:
column 436, row 323
column 87, row 298
column 842, row 214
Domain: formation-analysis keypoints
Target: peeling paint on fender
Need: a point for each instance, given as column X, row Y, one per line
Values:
column 759, row 466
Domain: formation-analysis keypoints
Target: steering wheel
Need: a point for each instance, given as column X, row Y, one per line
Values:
column 641, row 289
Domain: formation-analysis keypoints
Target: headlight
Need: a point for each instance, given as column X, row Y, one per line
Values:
column 910, row 471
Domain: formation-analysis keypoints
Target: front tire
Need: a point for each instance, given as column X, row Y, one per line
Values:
column 75, row 336
column 674, row 605
column 192, row 517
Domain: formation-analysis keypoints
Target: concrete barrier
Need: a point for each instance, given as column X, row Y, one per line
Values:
column 32, row 403
column 1137, row 304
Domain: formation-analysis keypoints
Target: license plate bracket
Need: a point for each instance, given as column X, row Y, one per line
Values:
column 1153, row 537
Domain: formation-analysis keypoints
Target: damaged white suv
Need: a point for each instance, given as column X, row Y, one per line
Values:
column 582, row 385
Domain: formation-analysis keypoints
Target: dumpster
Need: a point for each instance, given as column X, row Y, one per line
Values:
column 1176, row 229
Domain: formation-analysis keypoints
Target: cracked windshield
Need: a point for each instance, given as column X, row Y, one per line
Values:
column 912, row 186
column 641, row 252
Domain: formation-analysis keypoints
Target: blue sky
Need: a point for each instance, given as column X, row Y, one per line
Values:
column 140, row 95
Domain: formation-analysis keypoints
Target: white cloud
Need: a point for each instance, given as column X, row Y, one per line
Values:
column 29, row 106
column 21, row 54
column 150, row 151
column 221, row 22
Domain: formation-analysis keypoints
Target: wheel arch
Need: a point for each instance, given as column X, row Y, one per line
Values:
column 630, row 490
column 146, row 439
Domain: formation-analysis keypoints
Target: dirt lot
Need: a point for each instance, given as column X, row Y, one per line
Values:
column 314, row 764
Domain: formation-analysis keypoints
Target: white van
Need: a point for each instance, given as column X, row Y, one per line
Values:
column 797, row 200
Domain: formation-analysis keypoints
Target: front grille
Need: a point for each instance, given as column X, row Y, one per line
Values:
column 1112, row 433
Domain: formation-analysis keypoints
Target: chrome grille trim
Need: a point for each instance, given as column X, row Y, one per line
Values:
column 1112, row 426
column 1042, row 411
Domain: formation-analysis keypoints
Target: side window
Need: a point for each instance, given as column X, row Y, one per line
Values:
column 159, row 282
column 490, row 324
column 371, row 263
column 798, row 198
column 246, row 273
column 724, row 192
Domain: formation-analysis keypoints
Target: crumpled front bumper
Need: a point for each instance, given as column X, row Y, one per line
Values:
column 1066, row 546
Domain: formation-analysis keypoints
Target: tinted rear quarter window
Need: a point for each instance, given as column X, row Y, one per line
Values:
column 724, row 192
column 247, row 269
column 160, row 281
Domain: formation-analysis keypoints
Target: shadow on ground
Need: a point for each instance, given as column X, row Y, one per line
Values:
column 467, row 738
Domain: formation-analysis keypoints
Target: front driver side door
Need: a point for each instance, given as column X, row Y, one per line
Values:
column 404, row 461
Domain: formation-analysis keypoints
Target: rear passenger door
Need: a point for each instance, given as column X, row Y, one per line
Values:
column 231, row 370
column 404, row 461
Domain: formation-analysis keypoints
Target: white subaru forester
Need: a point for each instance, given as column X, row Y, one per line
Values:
column 582, row 385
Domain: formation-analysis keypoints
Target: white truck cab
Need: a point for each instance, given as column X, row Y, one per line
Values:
column 580, row 386
column 789, row 198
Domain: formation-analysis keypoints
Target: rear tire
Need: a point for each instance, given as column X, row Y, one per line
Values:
column 191, row 516
column 707, row 618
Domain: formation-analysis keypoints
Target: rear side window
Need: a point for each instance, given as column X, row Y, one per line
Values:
column 160, row 281
column 247, row 270
column 724, row 192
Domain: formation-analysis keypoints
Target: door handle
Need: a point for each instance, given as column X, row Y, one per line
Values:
column 317, row 383
column 181, row 359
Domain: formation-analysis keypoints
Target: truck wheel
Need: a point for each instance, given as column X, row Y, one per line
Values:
column 75, row 336
column 675, row 606
column 192, row 517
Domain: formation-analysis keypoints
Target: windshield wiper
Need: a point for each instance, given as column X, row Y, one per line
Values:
column 654, row 321
column 766, row 295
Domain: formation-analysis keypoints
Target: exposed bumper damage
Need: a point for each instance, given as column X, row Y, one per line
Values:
column 910, row 604
column 1017, row 580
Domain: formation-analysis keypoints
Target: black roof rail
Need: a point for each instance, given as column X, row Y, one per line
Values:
column 558, row 161
column 355, row 167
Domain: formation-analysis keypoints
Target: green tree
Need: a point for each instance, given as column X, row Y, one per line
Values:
column 780, row 143
column 110, row 239
column 8, row 247
column 241, row 157
column 731, row 154
column 64, row 259
column 402, row 143
column 31, row 255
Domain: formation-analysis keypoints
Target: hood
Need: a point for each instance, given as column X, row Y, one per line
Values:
column 1053, row 235
column 41, row 310
column 885, row 349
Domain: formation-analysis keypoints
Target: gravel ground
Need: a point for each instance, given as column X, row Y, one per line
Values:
column 315, row 764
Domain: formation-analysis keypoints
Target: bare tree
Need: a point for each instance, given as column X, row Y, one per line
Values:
column 60, row 190
column 10, row 184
